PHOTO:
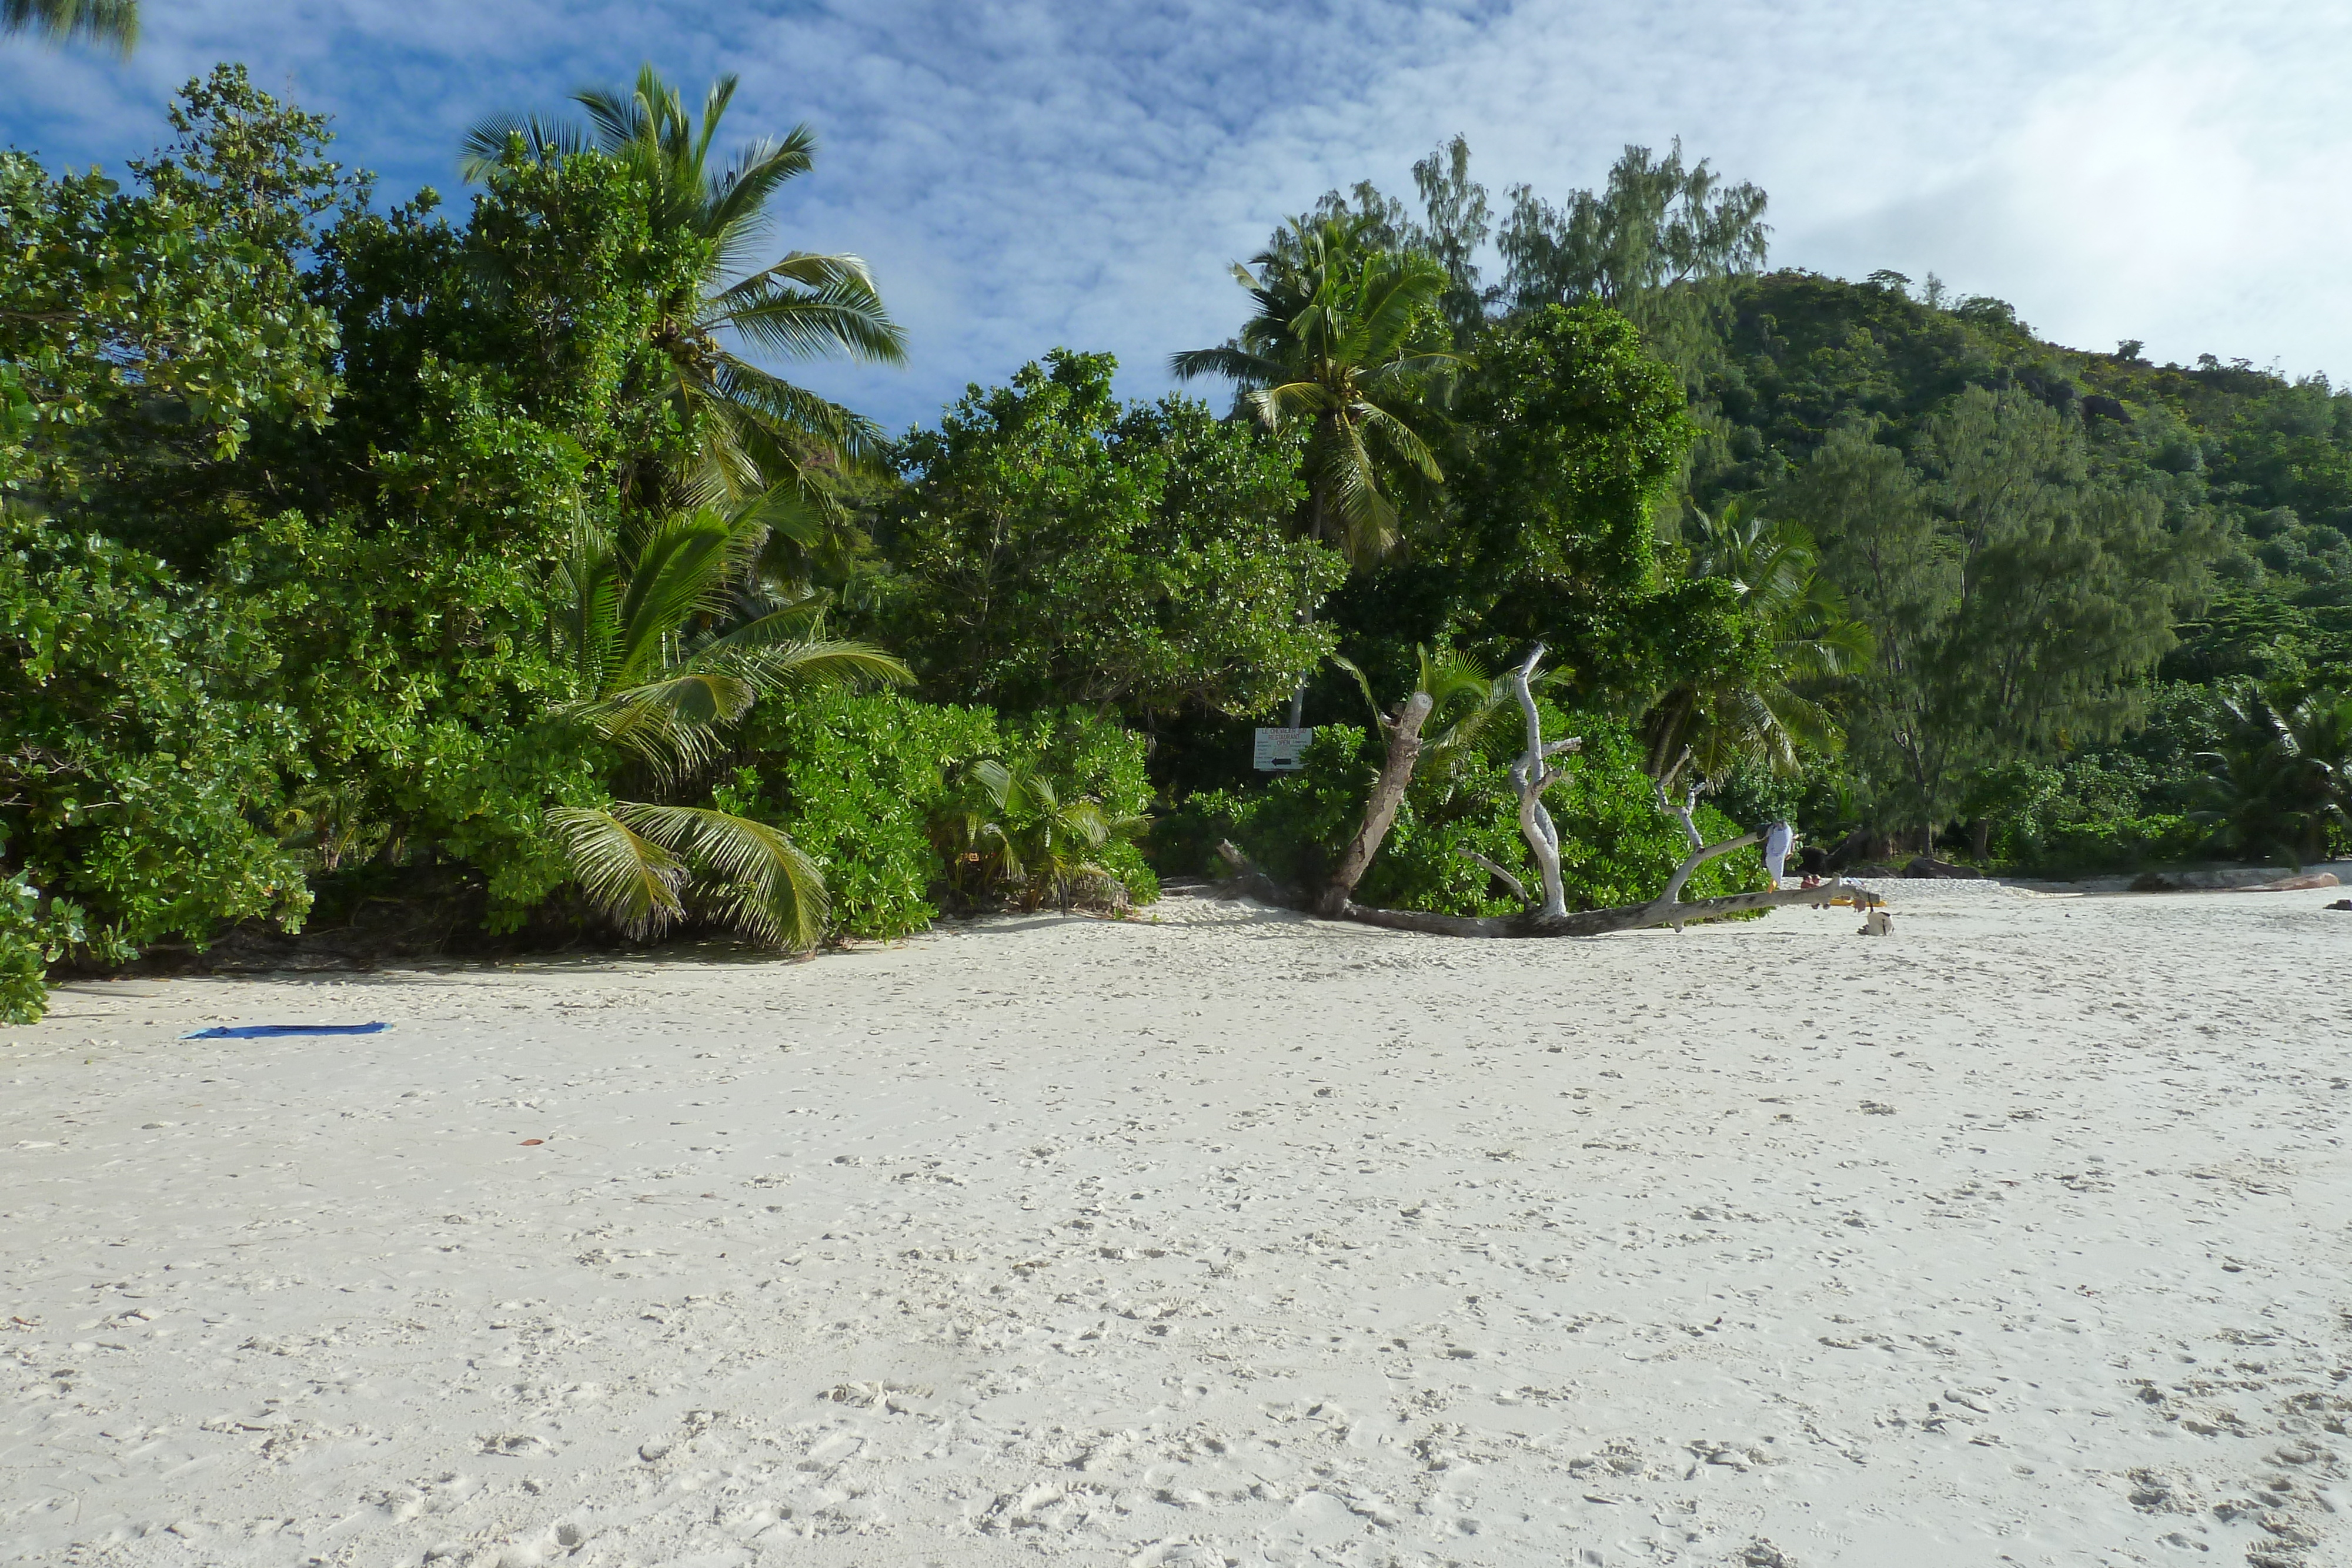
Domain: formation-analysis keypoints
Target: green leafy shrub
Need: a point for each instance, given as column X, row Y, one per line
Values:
column 856, row 781
column 1099, row 758
column 143, row 755
column 1616, row 846
column 23, row 957
column 2108, row 846
column 853, row 779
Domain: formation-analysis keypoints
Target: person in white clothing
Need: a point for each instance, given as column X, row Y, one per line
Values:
column 1778, row 838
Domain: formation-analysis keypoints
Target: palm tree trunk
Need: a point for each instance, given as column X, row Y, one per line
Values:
column 1306, row 610
column 1380, row 810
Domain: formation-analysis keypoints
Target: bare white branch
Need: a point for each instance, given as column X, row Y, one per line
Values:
column 1518, row 889
column 1530, row 778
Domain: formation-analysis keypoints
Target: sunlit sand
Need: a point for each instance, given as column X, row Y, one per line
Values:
column 2016, row 1235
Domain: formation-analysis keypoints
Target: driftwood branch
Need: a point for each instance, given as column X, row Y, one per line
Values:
column 1380, row 810
column 1518, row 889
column 1697, row 858
column 1701, row 851
column 1594, row 922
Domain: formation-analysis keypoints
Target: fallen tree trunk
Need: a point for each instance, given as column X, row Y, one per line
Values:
column 1591, row 921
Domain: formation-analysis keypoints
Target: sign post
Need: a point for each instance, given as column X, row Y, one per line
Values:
column 1282, row 750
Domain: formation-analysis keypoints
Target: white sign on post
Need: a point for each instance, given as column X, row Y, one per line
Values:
column 1280, row 750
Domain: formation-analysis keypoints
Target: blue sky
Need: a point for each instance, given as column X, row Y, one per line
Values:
column 1028, row 174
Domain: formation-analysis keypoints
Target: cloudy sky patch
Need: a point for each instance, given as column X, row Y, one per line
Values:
column 1028, row 174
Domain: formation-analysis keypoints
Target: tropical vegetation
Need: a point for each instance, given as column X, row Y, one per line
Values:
column 391, row 578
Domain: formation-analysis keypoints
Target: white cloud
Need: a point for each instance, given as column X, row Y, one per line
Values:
column 1031, row 173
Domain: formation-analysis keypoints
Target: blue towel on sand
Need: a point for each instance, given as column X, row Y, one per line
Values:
column 270, row 1030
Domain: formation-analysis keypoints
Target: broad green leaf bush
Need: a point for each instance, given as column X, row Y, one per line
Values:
column 2110, row 846
column 854, row 778
column 144, row 752
column 24, row 953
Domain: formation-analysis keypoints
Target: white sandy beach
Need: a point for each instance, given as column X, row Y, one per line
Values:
column 2023, row 1236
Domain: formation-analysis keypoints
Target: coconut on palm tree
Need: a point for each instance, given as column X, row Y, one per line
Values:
column 114, row 22
column 1761, row 716
column 663, row 666
column 758, row 432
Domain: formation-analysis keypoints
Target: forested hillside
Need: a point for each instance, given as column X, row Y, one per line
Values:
column 2055, row 609
column 2194, row 518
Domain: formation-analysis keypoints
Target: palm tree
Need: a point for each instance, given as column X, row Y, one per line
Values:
column 758, row 430
column 1466, row 698
column 1761, row 718
column 1008, row 825
column 661, row 671
column 114, row 22
column 1341, row 346
column 2280, row 784
column 2321, row 725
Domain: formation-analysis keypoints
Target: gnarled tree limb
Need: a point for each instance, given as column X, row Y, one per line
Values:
column 1701, row 851
column 1531, row 775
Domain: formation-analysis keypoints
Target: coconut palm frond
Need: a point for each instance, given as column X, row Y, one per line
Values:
column 752, row 875
column 1229, row 360
column 1368, row 529
column 491, row 142
column 1363, row 685
column 672, row 724
column 771, row 658
column 584, row 602
column 751, row 429
column 635, row 881
column 786, row 413
column 1449, row 675
column 111, row 23
column 739, row 195
column 678, row 573
column 1399, row 438
column 808, row 305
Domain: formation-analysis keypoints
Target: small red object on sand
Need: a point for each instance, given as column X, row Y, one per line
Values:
column 528, row 1142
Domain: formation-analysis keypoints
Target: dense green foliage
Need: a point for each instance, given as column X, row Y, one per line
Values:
column 2032, row 541
column 2058, row 547
column 1052, row 547
column 339, row 573
column 860, row 782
